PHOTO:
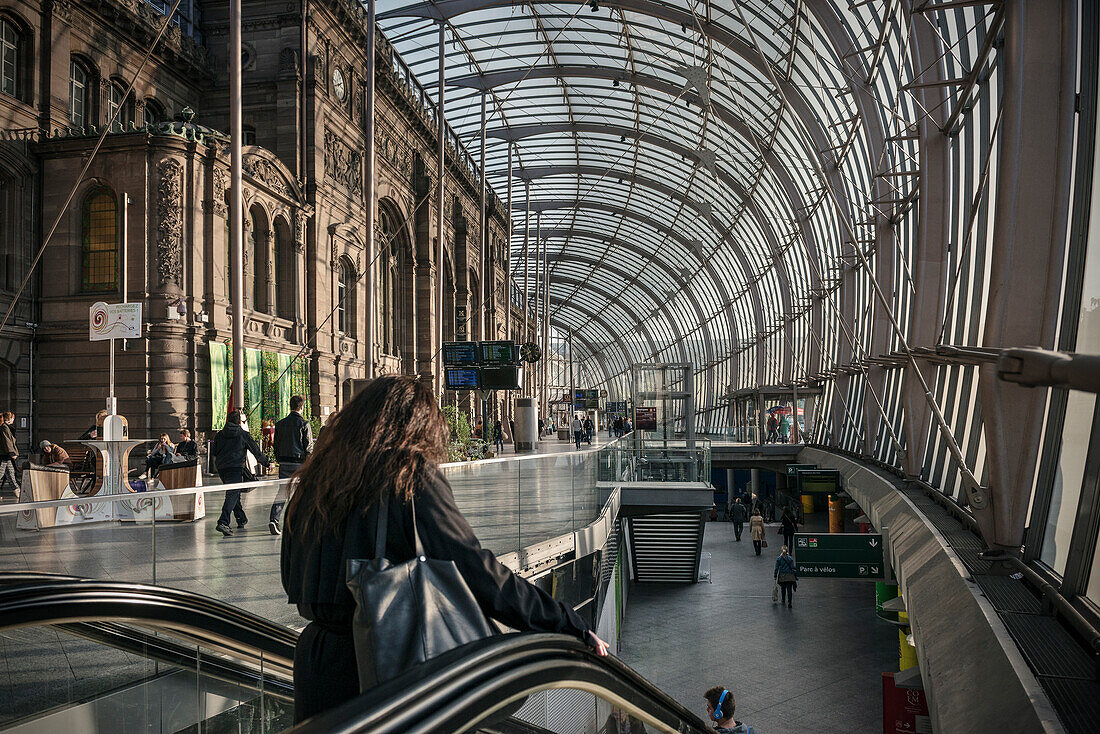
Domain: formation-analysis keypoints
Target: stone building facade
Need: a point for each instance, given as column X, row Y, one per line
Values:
column 150, row 214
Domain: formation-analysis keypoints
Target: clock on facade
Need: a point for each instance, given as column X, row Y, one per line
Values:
column 338, row 85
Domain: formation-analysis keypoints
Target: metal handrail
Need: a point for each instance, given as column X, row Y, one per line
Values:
column 28, row 600
column 460, row 688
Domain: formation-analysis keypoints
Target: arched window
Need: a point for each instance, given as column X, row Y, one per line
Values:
column 117, row 97
column 345, row 297
column 80, row 84
column 99, row 241
column 11, row 58
column 152, row 113
column 286, row 275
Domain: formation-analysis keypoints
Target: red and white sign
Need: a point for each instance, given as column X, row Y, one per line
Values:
column 904, row 710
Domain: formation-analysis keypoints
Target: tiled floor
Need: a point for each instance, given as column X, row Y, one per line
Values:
column 815, row 667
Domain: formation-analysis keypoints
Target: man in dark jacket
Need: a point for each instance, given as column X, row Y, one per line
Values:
column 293, row 442
column 739, row 514
column 186, row 448
column 232, row 444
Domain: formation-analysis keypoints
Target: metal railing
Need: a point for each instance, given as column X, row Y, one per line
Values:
column 634, row 459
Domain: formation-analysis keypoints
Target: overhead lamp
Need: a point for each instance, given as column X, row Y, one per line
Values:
column 615, row 82
column 622, row 138
column 594, row 5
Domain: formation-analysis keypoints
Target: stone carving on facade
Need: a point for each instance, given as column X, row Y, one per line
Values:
column 394, row 152
column 288, row 62
column 62, row 10
column 299, row 231
column 217, row 195
column 342, row 164
column 264, row 171
column 170, row 221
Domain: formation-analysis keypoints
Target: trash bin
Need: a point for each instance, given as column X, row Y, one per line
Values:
column 807, row 504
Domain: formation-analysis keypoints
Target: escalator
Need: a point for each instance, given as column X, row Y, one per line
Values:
column 82, row 656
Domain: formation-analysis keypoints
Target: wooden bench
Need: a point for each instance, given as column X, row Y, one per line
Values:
column 86, row 474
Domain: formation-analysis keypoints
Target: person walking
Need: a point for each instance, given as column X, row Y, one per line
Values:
column 738, row 514
column 385, row 448
column 773, row 429
column 498, row 436
column 232, row 446
column 589, row 429
column 788, row 526
column 293, row 441
column 786, row 576
column 577, row 428
column 9, row 452
column 756, row 531
column 785, row 429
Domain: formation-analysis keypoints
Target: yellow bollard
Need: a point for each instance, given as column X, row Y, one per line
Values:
column 836, row 515
column 807, row 504
column 907, row 654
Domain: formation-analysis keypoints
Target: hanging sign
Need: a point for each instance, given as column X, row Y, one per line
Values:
column 114, row 321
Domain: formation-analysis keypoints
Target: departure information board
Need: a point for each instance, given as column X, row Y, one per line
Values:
column 462, row 378
column 506, row 377
column 818, row 481
column 460, row 354
column 498, row 353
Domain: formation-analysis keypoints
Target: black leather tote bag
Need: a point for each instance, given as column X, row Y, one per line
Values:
column 409, row 612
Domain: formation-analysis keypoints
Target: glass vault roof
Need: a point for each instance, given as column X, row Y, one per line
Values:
column 699, row 171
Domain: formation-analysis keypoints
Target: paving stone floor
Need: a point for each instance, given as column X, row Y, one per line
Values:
column 814, row 668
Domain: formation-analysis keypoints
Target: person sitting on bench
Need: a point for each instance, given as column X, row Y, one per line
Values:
column 54, row 455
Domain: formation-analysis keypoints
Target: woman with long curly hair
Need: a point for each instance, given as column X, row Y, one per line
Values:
column 385, row 442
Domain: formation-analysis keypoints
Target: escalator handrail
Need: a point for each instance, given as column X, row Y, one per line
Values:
column 51, row 599
column 457, row 689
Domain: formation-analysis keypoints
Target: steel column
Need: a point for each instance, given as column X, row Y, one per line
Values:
column 1029, row 239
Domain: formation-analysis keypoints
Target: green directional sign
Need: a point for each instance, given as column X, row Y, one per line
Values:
column 793, row 469
column 839, row 555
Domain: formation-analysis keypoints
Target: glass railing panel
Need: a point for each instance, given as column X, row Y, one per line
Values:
column 49, row 670
column 578, row 711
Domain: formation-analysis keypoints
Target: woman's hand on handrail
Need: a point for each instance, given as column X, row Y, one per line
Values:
column 598, row 646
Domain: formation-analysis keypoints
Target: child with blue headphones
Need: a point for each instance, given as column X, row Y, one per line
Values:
column 720, row 707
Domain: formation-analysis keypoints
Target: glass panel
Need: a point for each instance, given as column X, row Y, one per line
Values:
column 1066, row 492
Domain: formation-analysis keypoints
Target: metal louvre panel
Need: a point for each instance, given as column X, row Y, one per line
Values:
column 666, row 547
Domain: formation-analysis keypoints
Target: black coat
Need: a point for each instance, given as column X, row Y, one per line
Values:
column 738, row 512
column 231, row 446
column 293, row 439
column 315, row 578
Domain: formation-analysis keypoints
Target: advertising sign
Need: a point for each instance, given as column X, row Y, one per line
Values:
column 840, row 555
column 904, row 710
column 645, row 419
column 114, row 321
